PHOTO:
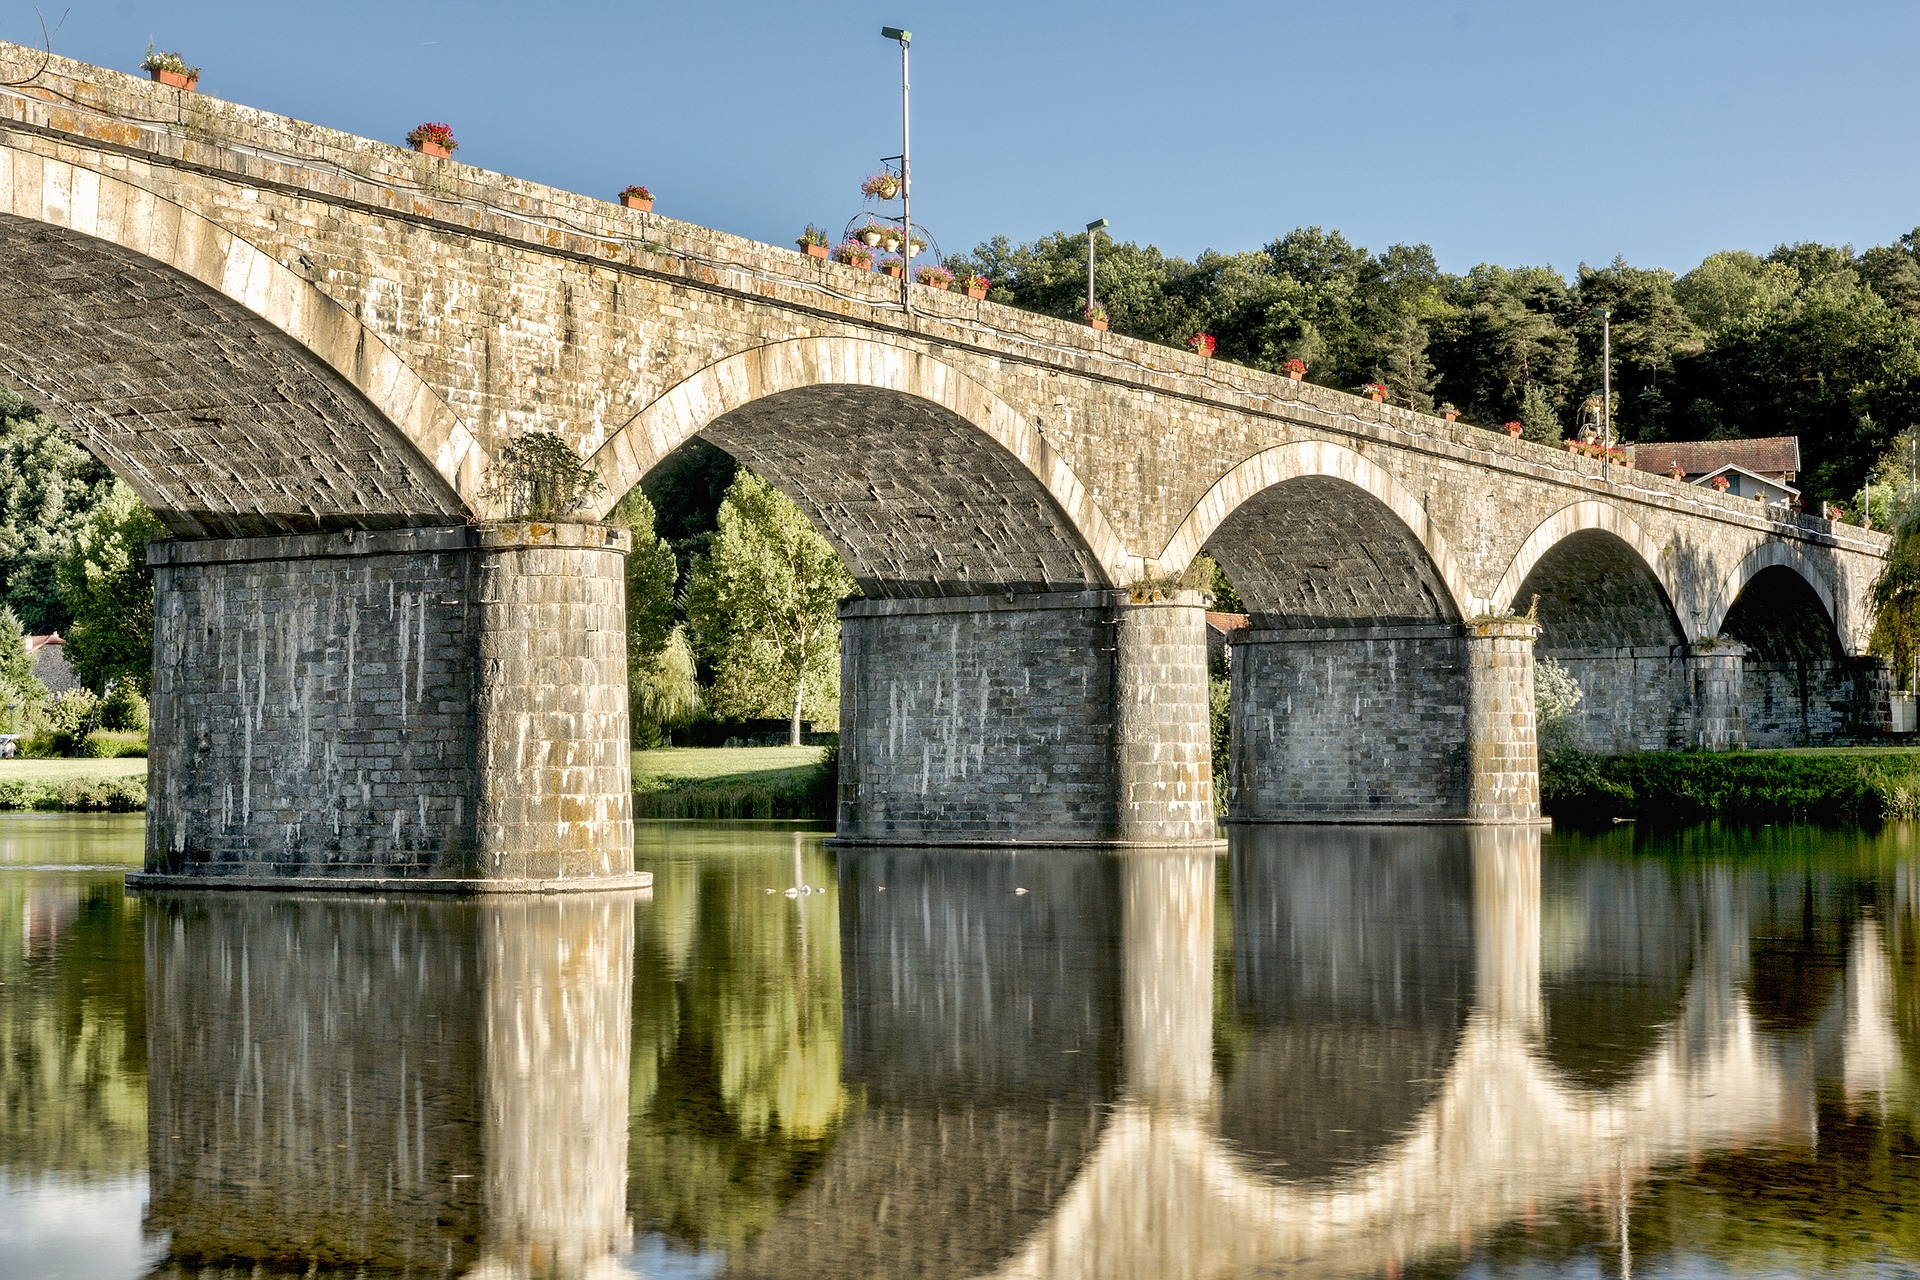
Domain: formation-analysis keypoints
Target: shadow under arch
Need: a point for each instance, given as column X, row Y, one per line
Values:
column 1777, row 555
column 1555, row 532
column 232, row 394
column 1291, row 505
column 925, row 482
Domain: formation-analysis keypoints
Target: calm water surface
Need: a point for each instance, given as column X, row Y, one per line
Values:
column 1336, row 1052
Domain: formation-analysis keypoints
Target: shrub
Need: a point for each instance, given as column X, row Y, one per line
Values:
column 1555, row 696
column 70, row 716
column 539, row 477
column 111, row 744
column 123, row 708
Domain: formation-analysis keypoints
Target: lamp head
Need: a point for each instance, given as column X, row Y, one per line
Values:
column 1096, row 225
column 895, row 33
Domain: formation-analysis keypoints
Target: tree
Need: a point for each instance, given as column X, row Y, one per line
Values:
column 1404, row 367
column 47, row 485
column 20, row 692
column 1539, row 420
column 107, row 586
column 761, row 606
column 538, row 476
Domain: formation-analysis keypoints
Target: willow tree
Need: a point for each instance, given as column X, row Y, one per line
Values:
column 761, row 605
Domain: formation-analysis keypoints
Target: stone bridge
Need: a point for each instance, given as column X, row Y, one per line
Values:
column 303, row 348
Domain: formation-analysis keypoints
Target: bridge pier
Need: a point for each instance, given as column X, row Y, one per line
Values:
column 1425, row 722
column 1073, row 718
column 439, row 708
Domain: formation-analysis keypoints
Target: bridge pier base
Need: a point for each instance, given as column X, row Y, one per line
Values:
column 1716, row 677
column 1073, row 718
column 440, row 708
column 1429, row 722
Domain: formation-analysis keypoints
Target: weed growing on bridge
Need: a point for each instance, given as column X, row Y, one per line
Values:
column 540, row 477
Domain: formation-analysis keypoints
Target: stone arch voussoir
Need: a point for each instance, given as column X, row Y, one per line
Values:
column 1286, row 462
column 107, row 208
column 687, row 409
column 1582, row 517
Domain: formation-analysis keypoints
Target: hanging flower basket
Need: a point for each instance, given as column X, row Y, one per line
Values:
column 813, row 242
column 881, row 186
column 871, row 235
column 890, row 240
column 976, row 287
column 934, row 277
column 1375, row 391
column 1295, row 369
column 170, row 69
column 854, row 254
column 638, row 198
column 1202, row 345
column 432, row 139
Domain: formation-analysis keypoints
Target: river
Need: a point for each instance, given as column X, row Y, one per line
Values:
column 1333, row 1051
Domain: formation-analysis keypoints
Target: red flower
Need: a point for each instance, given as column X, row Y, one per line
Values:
column 1201, row 344
column 440, row 135
column 636, row 193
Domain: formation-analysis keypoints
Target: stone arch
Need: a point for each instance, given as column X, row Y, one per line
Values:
column 1773, row 554
column 232, row 393
column 925, row 482
column 1579, row 518
column 1324, row 468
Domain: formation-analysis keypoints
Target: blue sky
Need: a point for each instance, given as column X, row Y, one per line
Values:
column 1518, row 133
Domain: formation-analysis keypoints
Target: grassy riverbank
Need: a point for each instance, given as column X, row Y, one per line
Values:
column 116, row 786
column 1831, row 784
column 734, row 782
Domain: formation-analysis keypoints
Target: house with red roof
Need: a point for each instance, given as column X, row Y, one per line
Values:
column 1764, row 469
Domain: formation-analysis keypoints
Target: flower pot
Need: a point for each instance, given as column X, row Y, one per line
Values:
column 1100, row 326
column 1295, row 376
column 1376, row 396
column 897, row 270
column 815, row 250
column 1451, row 415
column 433, row 149
column 635, row 202
column 890, row 243
column 1513, row 431
column 175, row 79
column 977, row 294
column 871, row 239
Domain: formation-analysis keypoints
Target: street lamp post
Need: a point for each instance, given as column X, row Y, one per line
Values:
column 1092, row 227
column 1606, row 373
column 906, row 167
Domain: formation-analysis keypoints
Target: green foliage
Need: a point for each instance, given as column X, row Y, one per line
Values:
column 114, row 744
column 1539, row 420
column 20, row 692
column 47, row 485
column 108, row 587
column 70, row 716
column 761, row 609
column 539, row 477
column 1895, row 600
column 686, row 490
column 123, row 708
column 1556, row 695
column 1761, row 785
column 664, row 694
column 651, row 576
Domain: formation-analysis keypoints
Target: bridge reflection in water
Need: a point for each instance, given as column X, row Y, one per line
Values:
column 429, row 1086
column 1057, row 1064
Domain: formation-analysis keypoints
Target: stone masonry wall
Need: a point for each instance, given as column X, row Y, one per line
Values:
column 1362, row 722
column 1801, row 703
column 424, row 705
column 1504, row 778
column 1633, row 699
column 997, row 719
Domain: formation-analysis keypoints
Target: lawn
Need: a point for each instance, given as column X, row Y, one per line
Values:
column 54, row 772
column 730, row 782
